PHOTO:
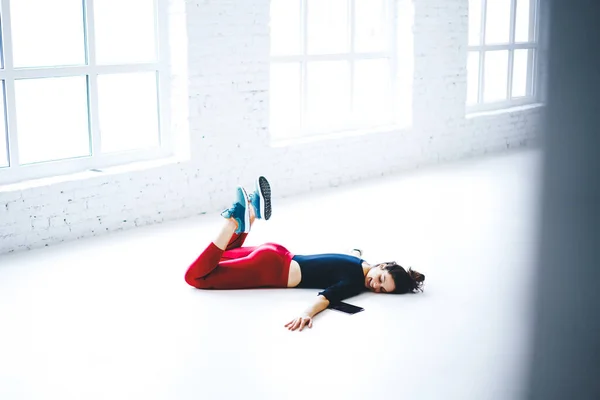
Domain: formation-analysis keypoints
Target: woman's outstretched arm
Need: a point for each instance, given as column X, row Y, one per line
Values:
column 306, row 318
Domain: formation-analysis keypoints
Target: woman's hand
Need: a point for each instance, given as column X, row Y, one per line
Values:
column 299, row 323
column 306, row 319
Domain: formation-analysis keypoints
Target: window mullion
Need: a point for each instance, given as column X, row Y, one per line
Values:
column 161, row 44
column 92, row 79
column 303, row 66
column 352, row 32
column 533, row 21
column 482, row 53
column 163, row 76
column 56, row 72
column 9, row 87
column 533, row 54
column 511, row 51
column 89, row 32
column 531, row 73
column 11, row 125
column 493, row 47
column 392, row 16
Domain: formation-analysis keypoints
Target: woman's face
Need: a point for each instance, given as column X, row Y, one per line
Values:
column 379, row 280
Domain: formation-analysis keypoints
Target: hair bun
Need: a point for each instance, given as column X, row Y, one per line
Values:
column 417, row 277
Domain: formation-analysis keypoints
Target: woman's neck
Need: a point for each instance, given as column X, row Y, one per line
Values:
column 366, row 268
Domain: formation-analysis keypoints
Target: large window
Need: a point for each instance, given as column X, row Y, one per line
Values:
column 333, row 66
column 503, row 52
column 81, row 83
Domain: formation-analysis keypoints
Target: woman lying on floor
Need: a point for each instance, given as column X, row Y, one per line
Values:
column 225, row 264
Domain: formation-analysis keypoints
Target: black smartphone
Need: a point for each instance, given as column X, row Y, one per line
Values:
column 345, row 308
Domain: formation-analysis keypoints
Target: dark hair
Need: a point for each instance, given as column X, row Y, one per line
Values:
column 406, row 282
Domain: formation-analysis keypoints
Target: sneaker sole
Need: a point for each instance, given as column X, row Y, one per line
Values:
column 246, row 213
column 264, row 192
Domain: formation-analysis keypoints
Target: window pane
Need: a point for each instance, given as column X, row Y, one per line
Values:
column 370, row 25
column 52, row 118
column 125, row 31
column 497, row 25
column 474, row 22
column 520, row 72
column 522, row 21
column 495, row 76
column 285, row 27
column 327, row 26
column 473, row 78
column 372, row 93
column 128, row 111
column 3, row 137
column 47, row 33
column 328, row 94
column 285, row 99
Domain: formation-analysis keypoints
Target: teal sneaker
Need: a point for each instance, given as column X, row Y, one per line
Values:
column 239, row 211
column 261, row 198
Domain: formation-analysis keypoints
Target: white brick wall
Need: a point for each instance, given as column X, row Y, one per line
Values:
column 220, row 101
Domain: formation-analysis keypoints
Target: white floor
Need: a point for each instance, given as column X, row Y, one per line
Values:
column 112, row 318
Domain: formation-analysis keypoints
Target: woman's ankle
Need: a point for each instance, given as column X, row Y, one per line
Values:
column 252, row 215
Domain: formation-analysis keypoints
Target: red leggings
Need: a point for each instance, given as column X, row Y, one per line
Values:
column 237, row 267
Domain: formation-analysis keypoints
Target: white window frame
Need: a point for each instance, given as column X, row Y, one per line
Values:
column 352, row 56
column 533, row 88
column 17, row 172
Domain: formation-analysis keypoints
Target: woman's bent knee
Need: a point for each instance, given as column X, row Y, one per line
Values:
column 193, row 281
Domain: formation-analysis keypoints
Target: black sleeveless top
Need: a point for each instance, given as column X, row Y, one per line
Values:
column 340, row 275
